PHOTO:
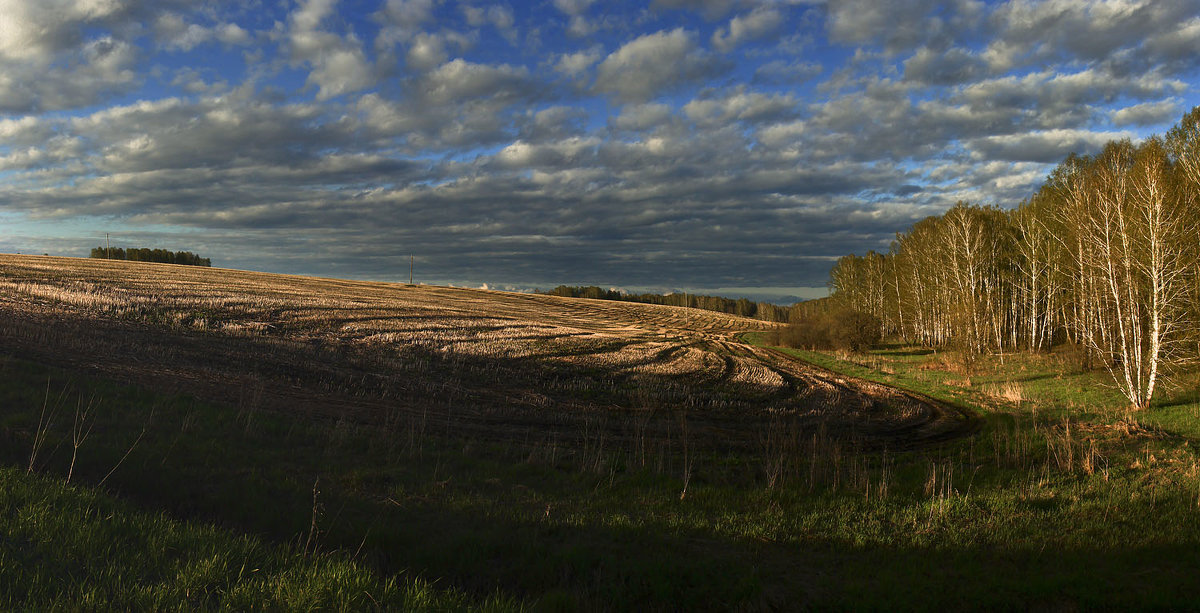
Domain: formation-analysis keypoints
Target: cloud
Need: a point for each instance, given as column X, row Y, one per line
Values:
column 648, row 65
column 780, row 135
column 632, row 156
column 459, row 79
column 1147, row 113
column 564, row 153
column 37, row 31
column 949, row 67
column 552, row 123
column 575, row 64
column 457, row 104
column 577, row 10
column 901, row 26
column 1138, row 33
column 710, row 9
column 739, row 105
column 427, row 51
column 178, row 35
column 338, row 63
column 755, row 25
column 400, row 20
column 783, row 72
column 101, row 68
column 57, row 55
column 642, row 116
column 1047, row 147
column 573, row 7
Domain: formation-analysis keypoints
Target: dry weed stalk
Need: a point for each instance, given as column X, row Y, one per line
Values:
column 81, row 428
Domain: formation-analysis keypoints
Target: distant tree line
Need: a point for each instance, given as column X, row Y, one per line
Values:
column 744, row 307
column 1105, row 256
column 134, row 254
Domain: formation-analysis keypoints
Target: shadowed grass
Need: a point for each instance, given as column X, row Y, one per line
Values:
column 1000, row 513
column 72, row 548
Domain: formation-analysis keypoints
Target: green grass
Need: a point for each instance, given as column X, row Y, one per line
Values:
column 214, row 508
column 74, row 548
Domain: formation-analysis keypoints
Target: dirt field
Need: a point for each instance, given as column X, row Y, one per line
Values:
column 517, row 368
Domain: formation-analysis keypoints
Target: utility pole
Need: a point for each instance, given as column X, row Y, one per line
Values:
column 410, row 268
column 107, row 248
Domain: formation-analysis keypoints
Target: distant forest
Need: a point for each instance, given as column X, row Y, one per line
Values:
column 134, row 254
column 1104, row 257
column 741, row 306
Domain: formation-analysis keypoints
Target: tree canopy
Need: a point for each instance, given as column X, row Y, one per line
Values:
column 1105, row 256
column 135, row 254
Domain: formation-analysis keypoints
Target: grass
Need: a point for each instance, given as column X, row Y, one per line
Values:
column 410, row 477
column 499, row 529
column 74, row 548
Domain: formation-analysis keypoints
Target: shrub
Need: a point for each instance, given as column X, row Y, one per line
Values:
column 838, row 329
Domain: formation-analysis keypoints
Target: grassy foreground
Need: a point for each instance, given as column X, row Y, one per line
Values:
column 71, row 548
column 1051, row 505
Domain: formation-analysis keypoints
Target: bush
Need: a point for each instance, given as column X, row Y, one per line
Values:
column 839, row 329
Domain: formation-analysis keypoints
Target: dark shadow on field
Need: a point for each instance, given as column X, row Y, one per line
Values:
column 470, row 519
column 471, row 515
column 1033, row 377
column 1177, row 400
column 901, row 349
column 989, row 578
column 491, row 398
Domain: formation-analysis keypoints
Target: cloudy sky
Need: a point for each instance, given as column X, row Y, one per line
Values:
column 710, row 145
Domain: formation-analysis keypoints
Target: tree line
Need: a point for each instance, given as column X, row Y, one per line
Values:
column 1105, row 256
column 744, row 307
column 135, row 254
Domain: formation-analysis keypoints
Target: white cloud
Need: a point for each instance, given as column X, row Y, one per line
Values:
column 573, row 7
column 644, row 67
column 458, row 80
column 338, row 63
column 1048, row 146
column 101, row 67
column 37, row 30
column 575, row 64
column 177, row 34
column 1147, row 113
column 427, row 51
column 579, row 24
column 498, row 15
column 400, row 20
column 562, row 154
column 952, row 66
column 232, row 34
column 1087, row 30
column 781, row 134
column 553, row 123
column 637, row 117
column 757, row 24
column 901, row 26
column 739, row 105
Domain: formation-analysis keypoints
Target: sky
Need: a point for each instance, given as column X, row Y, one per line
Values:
column 722, row 146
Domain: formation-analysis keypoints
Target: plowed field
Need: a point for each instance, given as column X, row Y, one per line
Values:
column 521, row 368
